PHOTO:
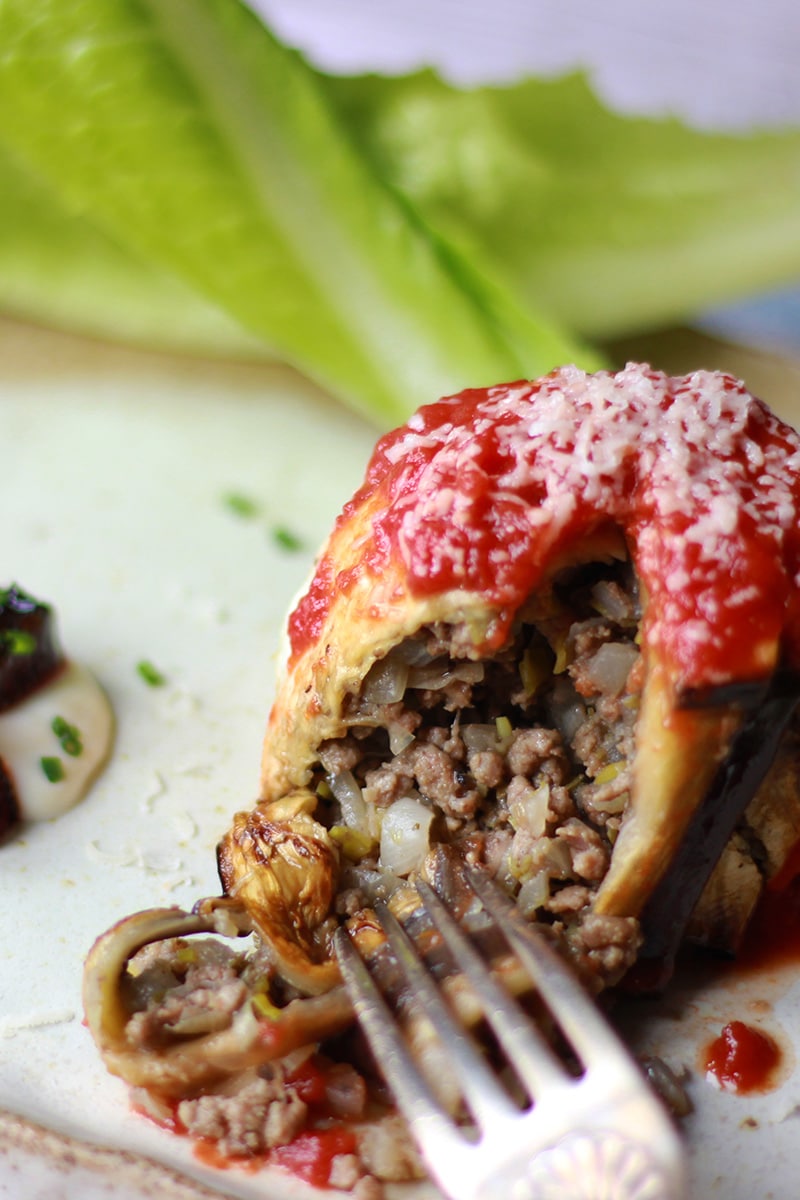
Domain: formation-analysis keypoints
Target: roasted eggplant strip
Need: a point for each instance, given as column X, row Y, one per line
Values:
column 255, row 1034
column 29, row 651
column 713, row 823
column 184, row 1065
column 678, row 753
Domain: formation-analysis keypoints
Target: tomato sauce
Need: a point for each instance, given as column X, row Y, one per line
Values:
column 489, row 490
column 207, row 1151
column 742, row 1059
column 773, row 938
column 310, row 1083
column 309, row 1155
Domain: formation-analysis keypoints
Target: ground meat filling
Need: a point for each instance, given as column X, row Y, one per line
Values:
column 519, row 762
column 179, row 988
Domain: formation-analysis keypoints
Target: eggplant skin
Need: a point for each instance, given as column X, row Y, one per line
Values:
column 9, row 808
column 30, row 654
column 758, row 855
column 728, row 901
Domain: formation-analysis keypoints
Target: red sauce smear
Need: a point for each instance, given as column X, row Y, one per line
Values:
column 487, row 490
column 309, row 1156
column 773, row 937
column 742, row 1059
column 207, row 1151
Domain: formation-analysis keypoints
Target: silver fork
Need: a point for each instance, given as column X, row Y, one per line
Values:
column 600, row 1135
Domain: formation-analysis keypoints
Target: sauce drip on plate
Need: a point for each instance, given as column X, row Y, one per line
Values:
column 742, row 1059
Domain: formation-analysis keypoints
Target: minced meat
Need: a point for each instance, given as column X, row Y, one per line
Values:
column 260, row 1115
column 523, row 758
column 523, row 761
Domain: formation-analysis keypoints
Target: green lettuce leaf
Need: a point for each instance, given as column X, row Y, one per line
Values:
column 171, row 174
column 189, row 136
column 58, row 269
column 610, row 224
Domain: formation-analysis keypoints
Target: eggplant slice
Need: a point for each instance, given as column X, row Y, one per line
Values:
column 533, row 642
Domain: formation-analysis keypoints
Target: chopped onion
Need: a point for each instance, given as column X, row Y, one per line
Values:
column 386, row 681
column 347, row 791
column 558, row 861
column 534, row 893
column 528, row 808
column 399, row 738
column 610, row 601
column 552, row 858
column 567, row 710
column 609, row 668
column 405, row 831
column 413, row 652
column 439, row 673
column 613, row 806
column 480, row 737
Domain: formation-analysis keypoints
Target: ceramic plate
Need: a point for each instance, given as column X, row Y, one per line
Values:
column 117, row 467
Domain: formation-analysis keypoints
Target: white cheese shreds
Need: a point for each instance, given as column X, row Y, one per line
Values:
column 701, row 476
column 11, row 1025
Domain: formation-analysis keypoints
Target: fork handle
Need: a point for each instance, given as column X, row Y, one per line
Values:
column 588, row 1166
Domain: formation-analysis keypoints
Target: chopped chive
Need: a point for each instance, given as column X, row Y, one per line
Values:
column 150, row 674
column 504, row 727
column 68, row 735
column 286, row 539
column 53, row 768
column 240, row 504
column 18, row 641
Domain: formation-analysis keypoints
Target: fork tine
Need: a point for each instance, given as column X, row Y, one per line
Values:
column 603, row 1134
column 432, row 1126
column 526, row 1048
column 484, row 1095
column 578, row 1017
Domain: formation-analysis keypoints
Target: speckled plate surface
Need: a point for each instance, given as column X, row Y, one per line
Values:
column 116, row 468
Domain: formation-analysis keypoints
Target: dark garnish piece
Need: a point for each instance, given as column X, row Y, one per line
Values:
column 29, row 651
column 9, row 809
column 738, row 779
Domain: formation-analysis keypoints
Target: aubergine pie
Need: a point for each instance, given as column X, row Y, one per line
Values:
column 530, row 644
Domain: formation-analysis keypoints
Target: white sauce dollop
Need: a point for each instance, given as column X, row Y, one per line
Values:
column 26, row 736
